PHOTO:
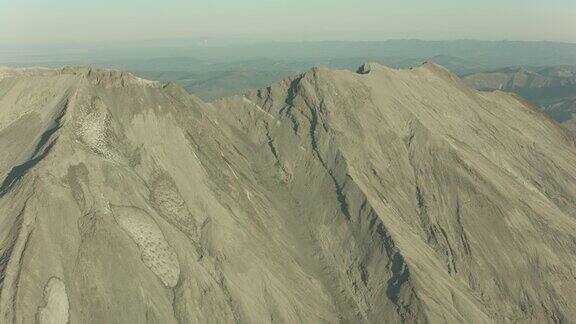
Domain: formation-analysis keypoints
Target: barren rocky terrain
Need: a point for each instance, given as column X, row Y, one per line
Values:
column 377, row 196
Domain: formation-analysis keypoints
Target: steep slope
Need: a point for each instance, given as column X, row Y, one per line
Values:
column 378, row 196
column 552, row 88
column 464, row 172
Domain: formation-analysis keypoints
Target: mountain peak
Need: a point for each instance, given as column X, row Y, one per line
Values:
column 27, row 71
column 110, row 77
column 369, row 67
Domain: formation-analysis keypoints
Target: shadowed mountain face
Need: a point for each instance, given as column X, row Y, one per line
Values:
column 378, row 196
column 553, row 89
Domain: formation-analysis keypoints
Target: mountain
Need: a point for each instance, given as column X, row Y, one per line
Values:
column 551, row 88
column 374, row 196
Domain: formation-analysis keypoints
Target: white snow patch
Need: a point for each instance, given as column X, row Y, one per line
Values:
column 257, row 107
column 56, row 309
column 156, row 253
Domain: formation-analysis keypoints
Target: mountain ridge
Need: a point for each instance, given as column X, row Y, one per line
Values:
column 332, row 196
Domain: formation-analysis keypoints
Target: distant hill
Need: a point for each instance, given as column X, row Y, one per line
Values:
column 491, row 53
column 552, row 88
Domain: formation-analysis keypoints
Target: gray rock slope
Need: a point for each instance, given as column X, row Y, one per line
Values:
column 378, row 196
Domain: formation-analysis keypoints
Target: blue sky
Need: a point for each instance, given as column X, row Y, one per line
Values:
column 45, row 21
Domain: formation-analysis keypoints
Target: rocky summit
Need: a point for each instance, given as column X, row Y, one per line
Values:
column 379, row 196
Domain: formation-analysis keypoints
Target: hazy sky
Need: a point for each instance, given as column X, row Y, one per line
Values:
column 46, row 21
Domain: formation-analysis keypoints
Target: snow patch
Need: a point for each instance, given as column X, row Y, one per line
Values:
column 155, row 251
column 246, row 100
column 168, row 202
column 56, row 309
column 94, row 130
